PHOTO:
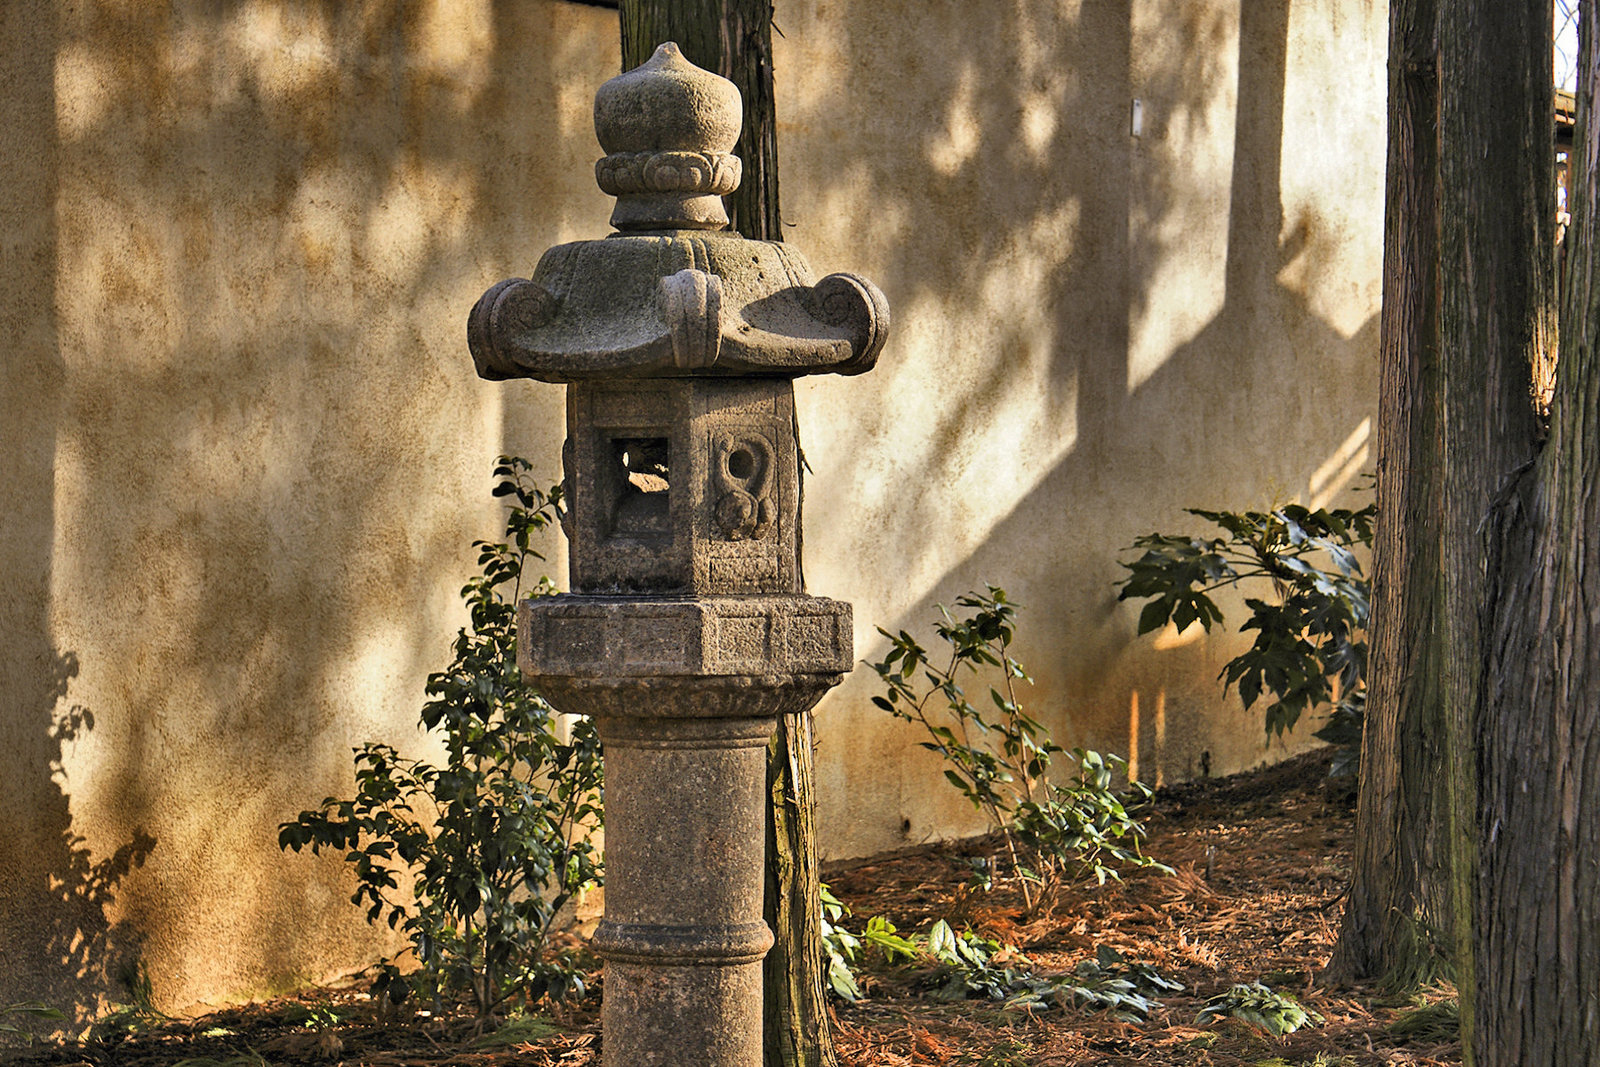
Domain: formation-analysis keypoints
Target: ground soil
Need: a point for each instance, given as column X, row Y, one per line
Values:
column 1261, row 863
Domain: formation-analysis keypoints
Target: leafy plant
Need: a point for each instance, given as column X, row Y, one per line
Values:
column 1310, row 647
column 138, row 1014
column 30, row 1009
column 313, row 1016
column 1110, row 983
column 976, row 966
column 1438, row 1021
column 844, row 948
column 841, row 946
column 1254, row 1003
column 519, row 1029
column 1000, row 757
column 970, row 966
column 497, row 839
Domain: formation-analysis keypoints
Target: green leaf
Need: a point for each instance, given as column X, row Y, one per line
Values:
column 1154, row 616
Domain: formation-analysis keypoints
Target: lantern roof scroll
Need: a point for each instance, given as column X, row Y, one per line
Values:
column 674, row 293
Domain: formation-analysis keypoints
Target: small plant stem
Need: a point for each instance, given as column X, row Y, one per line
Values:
column 1016, row 866
column 1011, row 713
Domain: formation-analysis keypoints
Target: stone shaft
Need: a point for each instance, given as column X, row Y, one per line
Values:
column 686, row 691
column 683, row 936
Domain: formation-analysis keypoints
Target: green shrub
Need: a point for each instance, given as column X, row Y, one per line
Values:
column 844, row 948
column 1310, row 633
column 30, row 1009
column 497, row 839
column 969, row 966
column 1000, row 759
column 1254, row 1003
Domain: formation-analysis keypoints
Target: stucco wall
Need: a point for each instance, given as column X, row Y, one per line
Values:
column 245, row 451
column 1092, row 331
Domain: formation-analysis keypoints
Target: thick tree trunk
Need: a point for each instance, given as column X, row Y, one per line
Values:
column 1537, row 906
column 1515, row 504
column 1496, row 318
column 1397, row 922
column 734, row 38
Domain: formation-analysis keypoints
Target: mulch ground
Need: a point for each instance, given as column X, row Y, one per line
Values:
column 1262, row 860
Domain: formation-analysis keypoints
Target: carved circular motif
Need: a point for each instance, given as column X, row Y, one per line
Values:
column 743, row 475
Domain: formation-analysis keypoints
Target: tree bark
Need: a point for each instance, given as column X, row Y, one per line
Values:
column 1496, row 313
column 1397, row 922
column 796, row 1018
column 1537, row 901
column 734, row 39
column 1517, row 571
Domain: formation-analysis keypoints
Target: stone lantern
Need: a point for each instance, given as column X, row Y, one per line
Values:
column 687, row 631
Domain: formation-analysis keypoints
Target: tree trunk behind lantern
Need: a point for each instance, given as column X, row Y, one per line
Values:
column 734, row 39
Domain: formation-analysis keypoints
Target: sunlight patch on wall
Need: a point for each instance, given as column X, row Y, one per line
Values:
column 1016, row 289
column 455, row 40
column 423, row 205
column 1170, row 637
column 834, row 222
column 1133, row 736
column 970, row 442
column 85, row 86
column 1157, row 744
column 1039, row 121
column 1334, row 112
column 371, row 675
column 1181, row 179
column 1342, row 466
column 289, row 51
column 1161, row 738
column 1184, row 294
column 956, row 145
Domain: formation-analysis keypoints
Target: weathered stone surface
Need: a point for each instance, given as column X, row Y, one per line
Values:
column 673, row 1016
column 742, row 637
column 682, row 936
column 669, row 297
column 687, row 632
column 683, row 486
column 683, row 303
column 668, row 129
column 705, row 697
column 684, row 877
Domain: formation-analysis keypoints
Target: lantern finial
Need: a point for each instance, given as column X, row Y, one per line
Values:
column 668, row 128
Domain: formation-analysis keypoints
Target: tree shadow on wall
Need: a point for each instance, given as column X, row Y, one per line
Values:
column 237, row 265
column 62, row 939
column 65, row 944
column 1016, row 143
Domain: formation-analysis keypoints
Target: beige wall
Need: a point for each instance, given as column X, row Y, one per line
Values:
column 245, row 451
column 245, row 448
column 1092, row 332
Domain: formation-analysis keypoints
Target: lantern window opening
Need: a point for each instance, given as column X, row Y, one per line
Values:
column 642, row 478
